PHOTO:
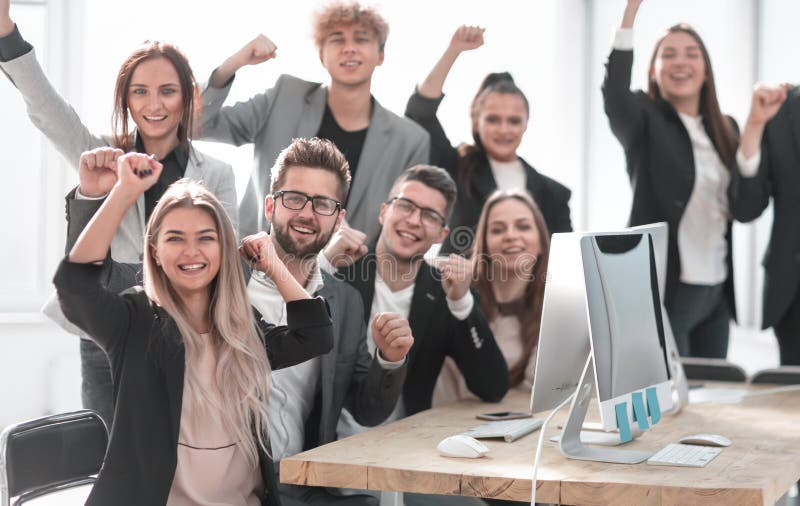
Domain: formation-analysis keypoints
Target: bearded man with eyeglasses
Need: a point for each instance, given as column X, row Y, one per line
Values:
column 310, row 182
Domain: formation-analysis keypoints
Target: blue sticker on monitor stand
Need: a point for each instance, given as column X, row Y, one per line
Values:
column 652, row 405
column 639, row 413
column 622, row 422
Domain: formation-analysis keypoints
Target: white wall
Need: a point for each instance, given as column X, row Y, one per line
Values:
column 554, row 48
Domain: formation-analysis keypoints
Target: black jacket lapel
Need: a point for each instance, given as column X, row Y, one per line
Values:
column 423, row 302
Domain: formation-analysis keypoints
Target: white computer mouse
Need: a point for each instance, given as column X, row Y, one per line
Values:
column 705, row 440
column 462, row 446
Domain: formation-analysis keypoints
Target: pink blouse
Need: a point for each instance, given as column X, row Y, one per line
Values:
column 211, row 470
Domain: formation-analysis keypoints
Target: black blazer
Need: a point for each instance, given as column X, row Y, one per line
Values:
column 660, row 161
column 437, row 334
column 147, row 360
column 551, row 196
column 778, row 177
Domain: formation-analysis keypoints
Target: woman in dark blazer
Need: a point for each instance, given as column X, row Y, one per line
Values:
column 500, row 114
column 155, row 88
column 680, row 151
column 190, row 366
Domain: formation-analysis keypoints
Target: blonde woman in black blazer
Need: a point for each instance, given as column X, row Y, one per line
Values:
column 190, row 366
column 679, row 151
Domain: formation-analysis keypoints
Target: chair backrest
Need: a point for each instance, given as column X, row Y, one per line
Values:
column 712, row 369
column 785, row 375
column 50, row 453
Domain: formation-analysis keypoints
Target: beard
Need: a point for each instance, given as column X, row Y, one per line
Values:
column 300, row 251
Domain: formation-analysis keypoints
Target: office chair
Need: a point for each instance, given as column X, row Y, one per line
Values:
column 712, row 369
column 50, row 454
column 784, row 375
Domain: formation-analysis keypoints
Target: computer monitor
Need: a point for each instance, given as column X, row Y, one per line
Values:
column 659, row 232
column 588, row 277
column 625, row 328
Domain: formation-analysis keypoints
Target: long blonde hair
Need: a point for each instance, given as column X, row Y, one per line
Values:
column 243, row 370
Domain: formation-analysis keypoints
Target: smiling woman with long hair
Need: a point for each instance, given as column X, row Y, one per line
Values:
column 189, row 362
column 680, row 151
column 155, row 90
column 511, row 252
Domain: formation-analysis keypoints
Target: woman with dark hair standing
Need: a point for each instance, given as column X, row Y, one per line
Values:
column 499, row 114
column 190, row 360
column 680, row 150
column 512, row 246
column 156, row 89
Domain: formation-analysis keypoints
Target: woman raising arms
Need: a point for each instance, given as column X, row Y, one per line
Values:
column 499, row 115
column 155, row 88
column 190, row 366
column 680, row 151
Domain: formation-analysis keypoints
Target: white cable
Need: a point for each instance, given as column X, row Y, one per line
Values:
column 541, row 443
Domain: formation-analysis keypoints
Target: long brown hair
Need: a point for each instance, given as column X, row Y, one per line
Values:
column 243, row 371
column 189, row 91
column 473, row 156
column 529, row 312
column 722, row 133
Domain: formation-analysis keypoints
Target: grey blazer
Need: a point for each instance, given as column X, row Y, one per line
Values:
column 293, row 108
column 351, row 377
column 59, row 122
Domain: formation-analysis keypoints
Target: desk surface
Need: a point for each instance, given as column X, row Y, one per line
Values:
column 760, row 466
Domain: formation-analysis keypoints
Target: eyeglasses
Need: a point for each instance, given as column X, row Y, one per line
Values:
column 298, row 200
column 429, row 217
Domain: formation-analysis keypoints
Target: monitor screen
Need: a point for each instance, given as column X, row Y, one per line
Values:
column 627, row 335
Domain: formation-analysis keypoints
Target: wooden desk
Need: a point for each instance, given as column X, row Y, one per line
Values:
column 760, row 466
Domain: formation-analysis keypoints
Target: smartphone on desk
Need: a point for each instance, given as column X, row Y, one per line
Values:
column 503, row 415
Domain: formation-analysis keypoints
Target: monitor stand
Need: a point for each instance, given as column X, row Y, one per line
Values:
column 571, row 445
column 680, row 386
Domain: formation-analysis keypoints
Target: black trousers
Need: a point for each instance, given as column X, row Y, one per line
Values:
column 787, row 330
column 96, row 385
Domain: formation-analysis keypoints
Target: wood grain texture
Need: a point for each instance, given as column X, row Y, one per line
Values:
column 760, row 466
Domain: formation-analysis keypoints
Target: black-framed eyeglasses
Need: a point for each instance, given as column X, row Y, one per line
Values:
column 298, row 200
column 429, row 217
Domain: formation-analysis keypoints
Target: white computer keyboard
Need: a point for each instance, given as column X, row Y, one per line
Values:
column 677, row 454
column 509, row 430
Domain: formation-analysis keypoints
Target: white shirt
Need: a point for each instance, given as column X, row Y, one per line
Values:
column 293, row 389
column 508, row 175
column 385, row 300
column 702, row 246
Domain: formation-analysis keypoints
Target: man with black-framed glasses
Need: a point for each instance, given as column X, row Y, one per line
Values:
column 310, row 182
column 441, row 309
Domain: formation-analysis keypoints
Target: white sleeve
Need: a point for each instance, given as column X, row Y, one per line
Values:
column 623, row 39
column 462, row 307
column 324, row 264
column 81, row 196
column 748, row 167
column 386, row 364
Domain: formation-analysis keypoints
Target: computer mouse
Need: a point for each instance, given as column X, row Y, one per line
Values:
column 462, row 446
column 706, row 440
